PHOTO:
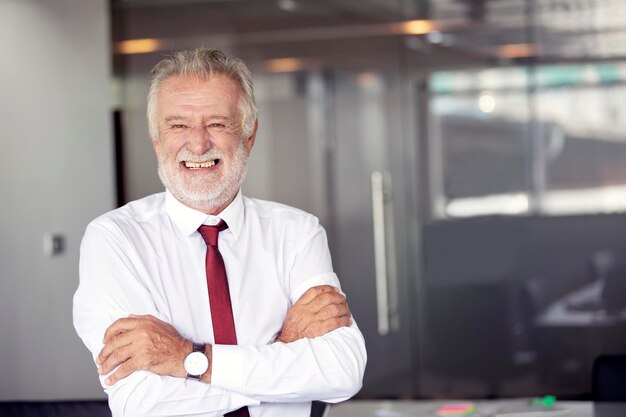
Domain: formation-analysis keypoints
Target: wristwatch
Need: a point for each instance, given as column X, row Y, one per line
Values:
column 196, row 363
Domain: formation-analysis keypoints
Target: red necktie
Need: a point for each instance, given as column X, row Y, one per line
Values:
column 219, row 296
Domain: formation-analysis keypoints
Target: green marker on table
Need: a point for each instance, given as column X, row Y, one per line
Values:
column 546, row 401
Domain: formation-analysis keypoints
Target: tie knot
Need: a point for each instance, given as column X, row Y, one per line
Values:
column 210, row 233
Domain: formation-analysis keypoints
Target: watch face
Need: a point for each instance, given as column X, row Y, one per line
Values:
column 196, row 363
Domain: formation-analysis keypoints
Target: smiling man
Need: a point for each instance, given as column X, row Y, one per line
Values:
column 198, row 300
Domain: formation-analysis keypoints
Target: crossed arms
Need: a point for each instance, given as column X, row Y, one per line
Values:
column 146, row 343
column 318, row 355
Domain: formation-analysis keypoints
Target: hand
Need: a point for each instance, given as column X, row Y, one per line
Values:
column 320, row 310
column 142, row 343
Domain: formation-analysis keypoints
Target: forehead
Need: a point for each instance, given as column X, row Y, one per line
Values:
column 217, row 92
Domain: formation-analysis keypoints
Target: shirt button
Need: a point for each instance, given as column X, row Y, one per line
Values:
column 213, row 221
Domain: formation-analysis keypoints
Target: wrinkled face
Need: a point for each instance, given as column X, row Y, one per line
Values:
column 201, row 153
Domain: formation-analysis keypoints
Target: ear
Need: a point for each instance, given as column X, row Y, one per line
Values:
column 250, row 140
column 155, row 146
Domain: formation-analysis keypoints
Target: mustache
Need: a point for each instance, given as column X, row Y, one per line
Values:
column 187, row 155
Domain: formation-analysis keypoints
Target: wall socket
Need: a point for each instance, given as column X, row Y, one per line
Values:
column 53, row 244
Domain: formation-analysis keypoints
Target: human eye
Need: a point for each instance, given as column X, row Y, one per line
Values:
column 217, row 126
column 177, row 126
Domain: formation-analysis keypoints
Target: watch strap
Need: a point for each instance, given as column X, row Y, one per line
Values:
column 197, row 347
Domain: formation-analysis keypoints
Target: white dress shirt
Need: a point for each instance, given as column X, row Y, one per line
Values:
column 148, row 258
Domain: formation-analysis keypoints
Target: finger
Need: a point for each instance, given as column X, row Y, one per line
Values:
column 119, row 326
column 120, row 339
column 115, row 359
column 309, row 295
column 327, row 288
column 313, row 292
column 122, row 372
column 333, row 310
column 335, row 323
column 324, row 299
column 321, row 328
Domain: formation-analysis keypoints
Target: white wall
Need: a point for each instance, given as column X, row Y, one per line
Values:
column 56, row 174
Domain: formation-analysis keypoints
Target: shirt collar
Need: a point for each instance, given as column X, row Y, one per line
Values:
column 189, row 220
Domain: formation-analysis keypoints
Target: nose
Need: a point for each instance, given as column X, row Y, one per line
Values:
column 199, row 141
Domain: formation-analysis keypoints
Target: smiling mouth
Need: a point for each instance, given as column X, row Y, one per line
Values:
column 199, row 165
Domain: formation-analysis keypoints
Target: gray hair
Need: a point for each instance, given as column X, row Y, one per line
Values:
column 203, row 63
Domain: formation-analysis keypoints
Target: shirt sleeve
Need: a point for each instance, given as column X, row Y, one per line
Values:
column 328, row 368
column 110, row 289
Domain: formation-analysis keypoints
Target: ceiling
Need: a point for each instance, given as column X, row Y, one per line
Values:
column 334, row 33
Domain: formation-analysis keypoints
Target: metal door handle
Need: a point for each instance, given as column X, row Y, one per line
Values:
column 384, row 253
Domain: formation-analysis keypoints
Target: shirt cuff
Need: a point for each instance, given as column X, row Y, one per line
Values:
column 228, row 367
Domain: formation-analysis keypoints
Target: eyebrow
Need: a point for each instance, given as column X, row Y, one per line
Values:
column 175, row 118
column 170, row 119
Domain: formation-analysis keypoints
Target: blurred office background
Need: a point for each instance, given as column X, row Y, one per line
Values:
column 467, row 158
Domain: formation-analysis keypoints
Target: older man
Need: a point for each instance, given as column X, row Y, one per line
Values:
column 200, row 301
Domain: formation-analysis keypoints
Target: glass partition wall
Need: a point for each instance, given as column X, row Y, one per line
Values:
column 541, row 139
column 525, row 160
column 465, row 156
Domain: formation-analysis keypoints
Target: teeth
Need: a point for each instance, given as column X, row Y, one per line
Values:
column 194, row 165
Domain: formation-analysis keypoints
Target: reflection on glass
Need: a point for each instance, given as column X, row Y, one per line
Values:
column 485, row 121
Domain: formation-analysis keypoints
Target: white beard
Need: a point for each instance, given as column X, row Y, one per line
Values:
column 206, row 195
